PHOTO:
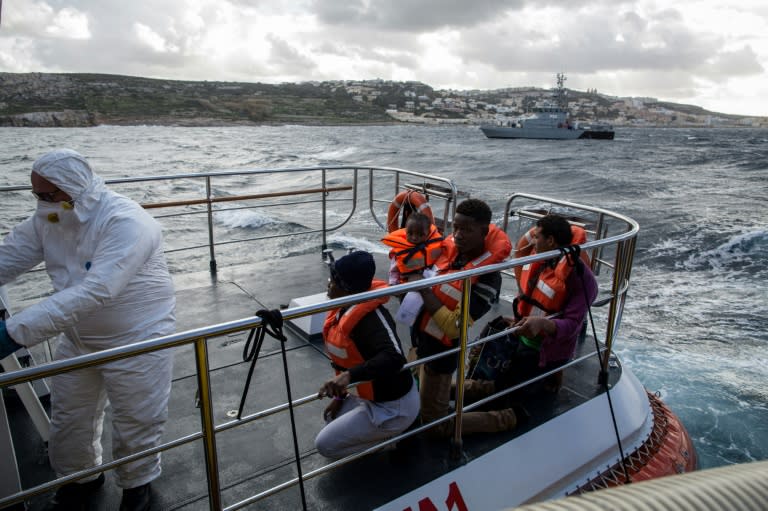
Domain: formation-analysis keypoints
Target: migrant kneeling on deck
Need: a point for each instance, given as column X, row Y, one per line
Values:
column 362, row 343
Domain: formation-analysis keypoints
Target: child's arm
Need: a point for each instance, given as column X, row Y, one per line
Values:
column 394, row 273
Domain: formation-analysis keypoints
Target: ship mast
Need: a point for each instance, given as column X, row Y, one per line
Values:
column 560, row 92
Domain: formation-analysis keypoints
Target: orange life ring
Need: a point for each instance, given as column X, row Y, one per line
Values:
column 415, row 202
column 525, row 245
column 523, row 248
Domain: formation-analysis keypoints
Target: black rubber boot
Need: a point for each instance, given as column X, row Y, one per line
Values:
column 137, row 499
column 74, row 496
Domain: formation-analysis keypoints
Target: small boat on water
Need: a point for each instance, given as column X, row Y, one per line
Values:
column 550, row 120
column 601, row 429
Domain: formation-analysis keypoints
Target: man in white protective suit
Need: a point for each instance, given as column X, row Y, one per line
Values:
column 104, row 255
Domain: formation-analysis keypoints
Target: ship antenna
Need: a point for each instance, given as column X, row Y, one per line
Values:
column 560, row 91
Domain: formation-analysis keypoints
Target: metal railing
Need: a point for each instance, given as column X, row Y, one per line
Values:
column 386, row 182
column 622, row 244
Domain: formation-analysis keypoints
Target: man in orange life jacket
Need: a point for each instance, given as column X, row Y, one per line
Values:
column 563, row 285
column 362, row 343
column 475, row 242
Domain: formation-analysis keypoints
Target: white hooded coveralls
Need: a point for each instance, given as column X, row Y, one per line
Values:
column 111, row 288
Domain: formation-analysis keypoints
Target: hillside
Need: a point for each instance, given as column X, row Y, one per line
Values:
column 38, row 99
column 71, row 100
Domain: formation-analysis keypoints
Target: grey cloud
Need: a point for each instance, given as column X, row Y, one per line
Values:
column 632, row 22
column 667, row 15
column 115, row 48
column 669, row 85
column 358, row 36
column 26, row 19
column 329, row 48
column 240, row 66
column 286, row 59
column 407, row 15
column 593, row 47
column 402, row 59
column 728, row 64
column 118, row 58
column 427, row 15
column 356, row 42
column 40, row 20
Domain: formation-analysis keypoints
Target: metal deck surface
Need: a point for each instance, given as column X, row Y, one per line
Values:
column 259, row 455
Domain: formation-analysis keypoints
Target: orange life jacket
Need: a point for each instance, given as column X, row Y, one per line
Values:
column 412, row 258
column 339, row 345
column 525, row 246
column 497, row 248
column 545, row 294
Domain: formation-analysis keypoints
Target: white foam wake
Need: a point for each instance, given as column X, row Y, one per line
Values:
column 347, row 242
column 748, row 247
column 243, row 219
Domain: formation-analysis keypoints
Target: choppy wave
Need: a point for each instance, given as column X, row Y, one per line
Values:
column 336, row 155
column 243, row 219
column 348, row 242
column 741, row 253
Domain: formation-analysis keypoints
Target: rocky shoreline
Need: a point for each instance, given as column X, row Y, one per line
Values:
column 59, row 119
column 82, row 119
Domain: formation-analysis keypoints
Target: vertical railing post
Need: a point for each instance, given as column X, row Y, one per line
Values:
column 371, row 196
column 355, row 184
column 210, row 224
column 616, row 285
column 206, row 419
column 324, row 246
column 457, row 442
column 597, row 253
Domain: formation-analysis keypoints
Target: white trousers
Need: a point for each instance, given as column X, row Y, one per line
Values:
column 137, row 389
column 361, row 423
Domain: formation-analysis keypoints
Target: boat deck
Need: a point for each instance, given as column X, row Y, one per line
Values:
column 260, row 454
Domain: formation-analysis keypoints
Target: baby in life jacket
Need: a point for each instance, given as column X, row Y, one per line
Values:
column 414, row 248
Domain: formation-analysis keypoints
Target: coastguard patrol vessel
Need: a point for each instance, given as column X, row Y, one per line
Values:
column 550, row 120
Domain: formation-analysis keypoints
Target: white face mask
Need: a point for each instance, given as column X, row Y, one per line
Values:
column 57, row 213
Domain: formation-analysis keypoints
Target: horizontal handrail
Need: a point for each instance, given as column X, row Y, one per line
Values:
column 234, row 198
column 187, row 337
column 633, row 226
column 245, row 172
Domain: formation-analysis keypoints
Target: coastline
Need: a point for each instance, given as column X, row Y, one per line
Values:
column 68, row 120
column 83, row 100
column 218, row 123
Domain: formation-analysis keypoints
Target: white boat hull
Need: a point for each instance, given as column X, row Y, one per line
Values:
column 482, row 485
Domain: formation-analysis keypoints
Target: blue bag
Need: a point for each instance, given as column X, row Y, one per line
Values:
column 492, row 359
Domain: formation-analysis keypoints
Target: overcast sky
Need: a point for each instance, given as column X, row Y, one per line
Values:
column 703, row 52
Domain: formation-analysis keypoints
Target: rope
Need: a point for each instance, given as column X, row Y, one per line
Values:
column 272, row 324
column 573, row 253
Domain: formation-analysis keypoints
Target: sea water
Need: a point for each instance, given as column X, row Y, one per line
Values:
column 695, row 328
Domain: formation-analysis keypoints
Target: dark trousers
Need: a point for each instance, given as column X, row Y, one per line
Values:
column 524, row 365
